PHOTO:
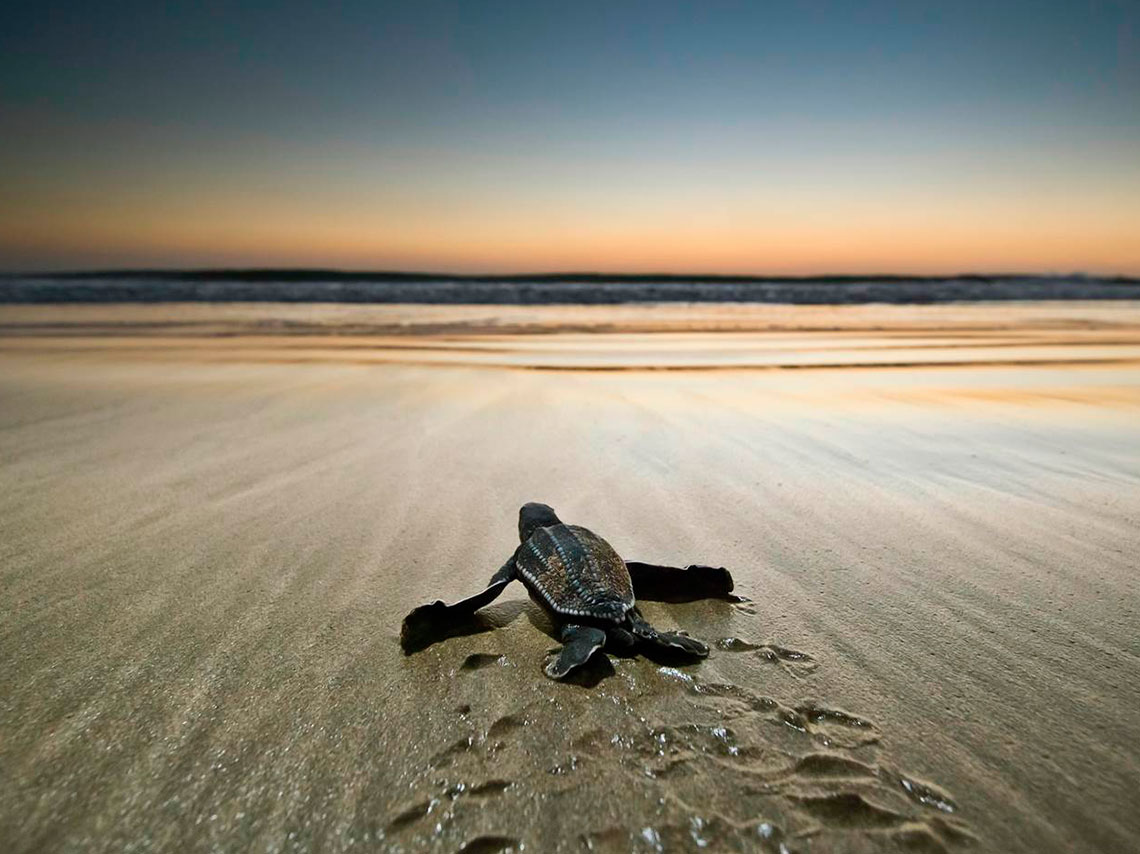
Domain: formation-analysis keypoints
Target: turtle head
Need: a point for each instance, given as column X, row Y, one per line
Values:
column 533, row 516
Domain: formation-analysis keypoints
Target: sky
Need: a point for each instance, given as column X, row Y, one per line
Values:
column 725, row 137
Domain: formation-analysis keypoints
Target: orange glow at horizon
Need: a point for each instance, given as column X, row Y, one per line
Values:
column 890, row 236
column 921, row 207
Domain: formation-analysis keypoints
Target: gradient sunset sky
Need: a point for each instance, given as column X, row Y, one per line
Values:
column 751, row 137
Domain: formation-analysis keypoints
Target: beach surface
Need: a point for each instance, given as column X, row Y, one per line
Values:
column 213, row 519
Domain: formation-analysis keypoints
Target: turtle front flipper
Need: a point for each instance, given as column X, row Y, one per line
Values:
column 434, row 621
column 674, row 584
column 580, row 642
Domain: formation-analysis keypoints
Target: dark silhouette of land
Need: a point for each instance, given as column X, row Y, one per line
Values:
column 318, row 285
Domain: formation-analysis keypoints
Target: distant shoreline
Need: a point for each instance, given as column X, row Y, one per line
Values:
column 312, row 285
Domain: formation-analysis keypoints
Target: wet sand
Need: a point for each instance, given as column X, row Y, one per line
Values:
column 213, row 518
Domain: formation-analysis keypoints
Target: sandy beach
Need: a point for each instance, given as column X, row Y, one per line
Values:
column 213, row 519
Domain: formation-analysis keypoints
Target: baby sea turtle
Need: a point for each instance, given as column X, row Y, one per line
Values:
column 586, row 587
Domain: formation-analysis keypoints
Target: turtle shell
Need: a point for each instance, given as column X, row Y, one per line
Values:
column 576, row 573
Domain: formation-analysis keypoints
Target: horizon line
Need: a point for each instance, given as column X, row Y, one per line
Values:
column 258, row 273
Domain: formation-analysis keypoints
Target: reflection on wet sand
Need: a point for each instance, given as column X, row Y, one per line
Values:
column 585, row 338
column 211, row 533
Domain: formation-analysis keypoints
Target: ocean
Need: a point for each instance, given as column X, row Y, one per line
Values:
column 571, row 289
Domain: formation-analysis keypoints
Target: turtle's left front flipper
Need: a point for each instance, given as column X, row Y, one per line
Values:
column 434, row 621
column 674, row 584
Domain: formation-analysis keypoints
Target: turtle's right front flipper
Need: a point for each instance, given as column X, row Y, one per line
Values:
column 433, row 621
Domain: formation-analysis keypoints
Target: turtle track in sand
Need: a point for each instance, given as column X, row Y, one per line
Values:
column 700, row 762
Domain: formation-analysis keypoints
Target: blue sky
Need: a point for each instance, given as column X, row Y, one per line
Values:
column 729, row 137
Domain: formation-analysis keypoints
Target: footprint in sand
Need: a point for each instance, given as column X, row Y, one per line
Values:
column 491, row 787
column 479, row 660
column 926, row 794
column 828, row 766
column 480, row 790
column 831, row 727
column 499, row 732
column 849, row 810
column 853, row 811
column 420, row 810
column 410, row 815
column 793, row 661
column 491, row 845
column 451, row 752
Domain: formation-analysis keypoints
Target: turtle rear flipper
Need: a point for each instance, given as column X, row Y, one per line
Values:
column 674, row 584
column 430, row 622
column 668, row 642
column 580, row 642
column 676, row 642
